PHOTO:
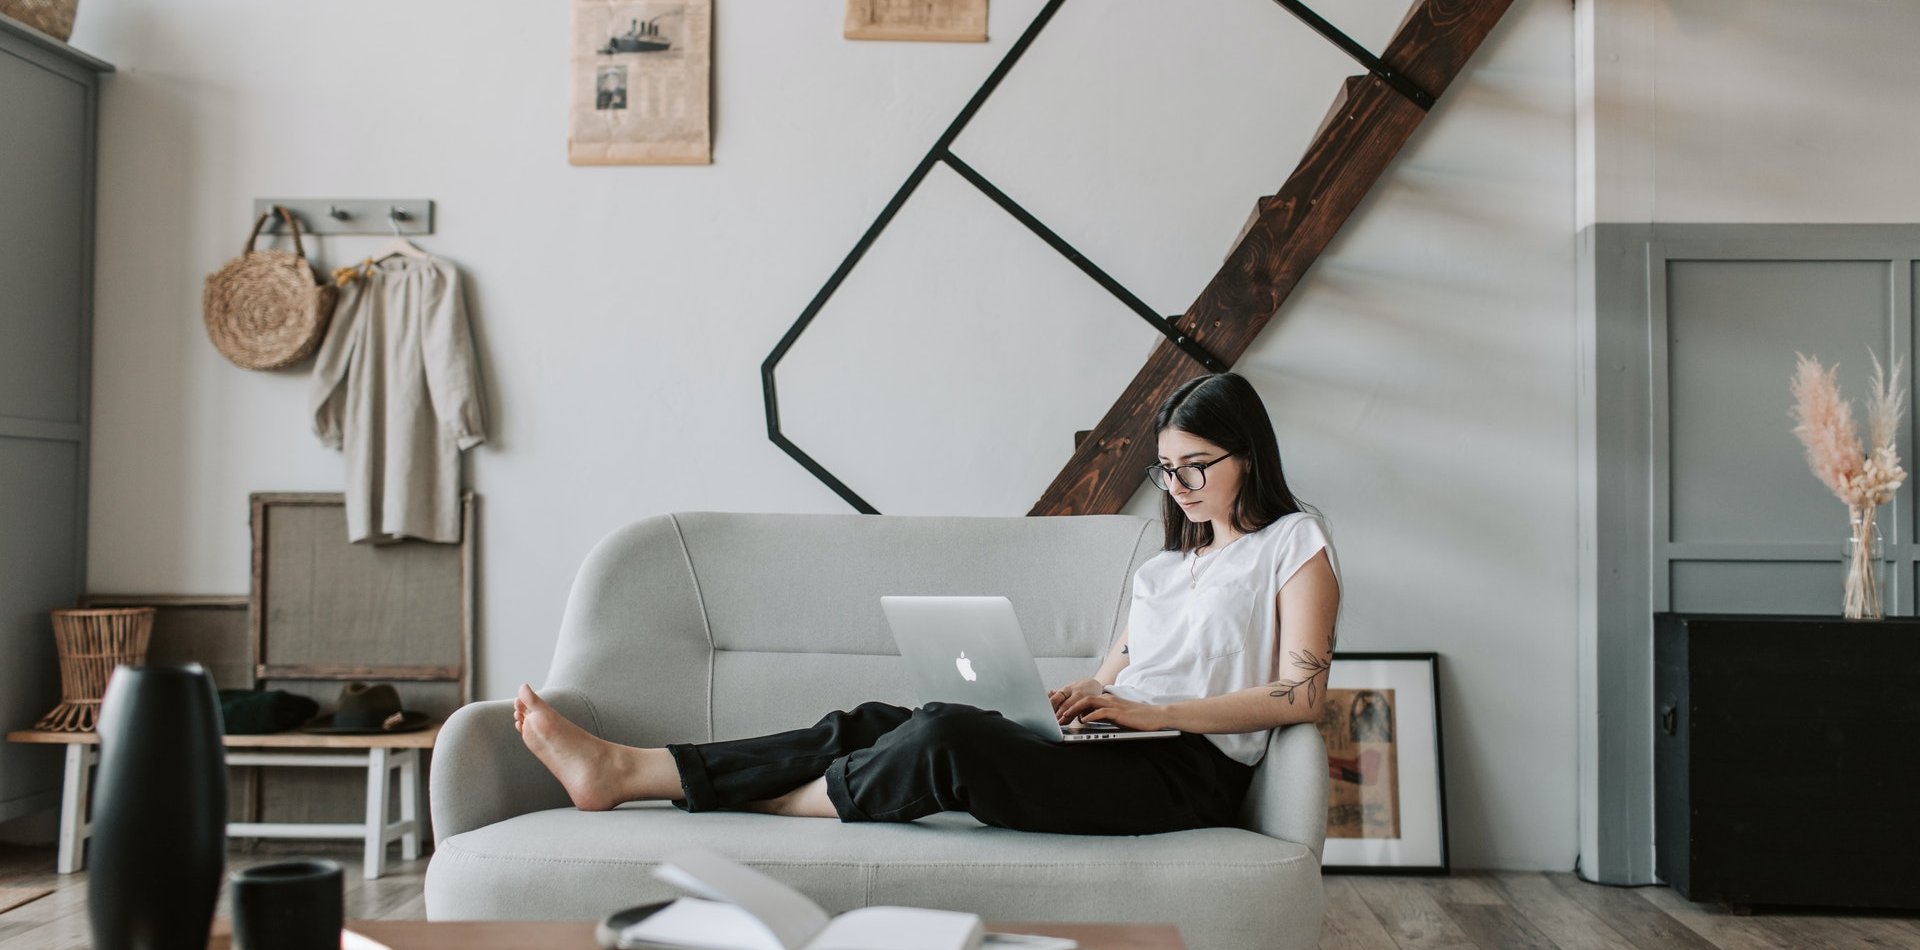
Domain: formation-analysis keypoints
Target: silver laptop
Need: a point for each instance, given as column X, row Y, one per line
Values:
column 970, row 650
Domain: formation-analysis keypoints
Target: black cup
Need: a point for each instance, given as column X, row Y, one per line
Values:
column 288, row 905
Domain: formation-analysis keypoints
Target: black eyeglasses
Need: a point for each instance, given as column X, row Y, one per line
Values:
column 1192, row 476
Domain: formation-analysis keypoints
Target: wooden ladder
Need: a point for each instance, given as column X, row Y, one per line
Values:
column 1372, row 117
column 1369, row 122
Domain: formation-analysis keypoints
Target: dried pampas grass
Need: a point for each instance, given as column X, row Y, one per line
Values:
column 1825, row 425
column 1861, row 476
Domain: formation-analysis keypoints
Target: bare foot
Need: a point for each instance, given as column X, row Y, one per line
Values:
column 591, row 769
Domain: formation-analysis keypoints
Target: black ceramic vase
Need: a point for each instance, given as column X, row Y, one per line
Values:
column 159, row 841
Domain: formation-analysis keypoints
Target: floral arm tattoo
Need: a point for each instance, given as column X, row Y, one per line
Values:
column 1315, row 666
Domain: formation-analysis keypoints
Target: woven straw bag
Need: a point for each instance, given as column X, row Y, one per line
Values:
column 266, row 309
column 91, row 643
column 52, row 17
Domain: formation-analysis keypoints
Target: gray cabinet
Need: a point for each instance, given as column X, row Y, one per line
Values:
column 49, row 96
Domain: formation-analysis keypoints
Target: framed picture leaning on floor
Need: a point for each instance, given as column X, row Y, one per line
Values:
column 1386, row 792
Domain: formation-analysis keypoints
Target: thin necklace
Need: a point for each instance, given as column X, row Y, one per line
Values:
column 1193, row 570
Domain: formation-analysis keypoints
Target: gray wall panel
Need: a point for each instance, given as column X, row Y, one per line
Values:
column 1749, row 587
column 1694, row 494
column 43, row 236
column 1614, row 656
column 1733, row 327
column 39, row 570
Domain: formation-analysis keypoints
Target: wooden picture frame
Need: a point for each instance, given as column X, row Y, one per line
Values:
column 332, row 631
column 1387, row 798
column 423, row 653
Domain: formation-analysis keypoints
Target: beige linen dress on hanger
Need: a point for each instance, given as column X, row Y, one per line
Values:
column 397, row 390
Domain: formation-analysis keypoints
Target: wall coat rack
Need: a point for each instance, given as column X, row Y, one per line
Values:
column 350, row 215
column 1372, row 117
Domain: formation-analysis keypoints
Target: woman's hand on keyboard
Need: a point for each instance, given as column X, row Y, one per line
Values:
column 1071, row 694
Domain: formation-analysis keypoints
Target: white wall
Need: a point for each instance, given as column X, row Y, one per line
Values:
column 1420, row 379
column 1766, row 111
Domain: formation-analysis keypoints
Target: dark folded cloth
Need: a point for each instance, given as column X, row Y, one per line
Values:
column 245, row 712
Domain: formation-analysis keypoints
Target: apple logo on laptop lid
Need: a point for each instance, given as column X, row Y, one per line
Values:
column 965, row 666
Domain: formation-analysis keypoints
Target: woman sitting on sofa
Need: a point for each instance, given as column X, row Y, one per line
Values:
column 1230, row 634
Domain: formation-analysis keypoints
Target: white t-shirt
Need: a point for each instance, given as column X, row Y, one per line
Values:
column 1222, row 633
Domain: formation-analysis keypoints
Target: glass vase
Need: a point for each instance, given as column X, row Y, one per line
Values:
column 1864, row 559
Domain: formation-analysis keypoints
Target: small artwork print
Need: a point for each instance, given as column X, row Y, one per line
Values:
column 611, row 85
column 1359, row 728
column 952, row 21
column 642, row 82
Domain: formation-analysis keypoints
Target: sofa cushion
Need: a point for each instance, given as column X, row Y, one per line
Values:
column 1224, row 886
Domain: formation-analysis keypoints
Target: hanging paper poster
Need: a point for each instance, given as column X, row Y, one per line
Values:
column 953, row 21
column 642, row 83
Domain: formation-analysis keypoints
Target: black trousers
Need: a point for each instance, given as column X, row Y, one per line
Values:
column 886, row 763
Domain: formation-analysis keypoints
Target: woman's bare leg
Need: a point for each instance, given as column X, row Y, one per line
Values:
column 597, row 774
column 807, row 801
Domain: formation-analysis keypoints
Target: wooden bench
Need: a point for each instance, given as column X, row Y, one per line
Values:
column 378, row 754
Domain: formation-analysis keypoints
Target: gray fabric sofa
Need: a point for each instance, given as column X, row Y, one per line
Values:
column 691, row 627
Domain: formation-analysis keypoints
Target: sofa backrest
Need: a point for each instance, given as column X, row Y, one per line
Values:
column 699, row 626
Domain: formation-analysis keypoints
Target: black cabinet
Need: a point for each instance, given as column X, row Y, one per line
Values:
column 1787, row 759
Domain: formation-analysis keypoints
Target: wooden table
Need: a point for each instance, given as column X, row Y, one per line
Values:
column 548, row 935
column 378, row 754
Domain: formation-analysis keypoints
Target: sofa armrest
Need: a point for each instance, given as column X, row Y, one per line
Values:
column 482, row 772
column 1288, row 797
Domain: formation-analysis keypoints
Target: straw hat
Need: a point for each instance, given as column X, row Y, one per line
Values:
column 368, row 710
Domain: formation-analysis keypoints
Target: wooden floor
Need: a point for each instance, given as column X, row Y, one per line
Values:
column 1501, row 909
column 1491, row 910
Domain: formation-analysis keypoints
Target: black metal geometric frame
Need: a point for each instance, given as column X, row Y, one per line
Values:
column 942, row 152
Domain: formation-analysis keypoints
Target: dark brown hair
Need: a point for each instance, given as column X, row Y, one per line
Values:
column 1224, row 409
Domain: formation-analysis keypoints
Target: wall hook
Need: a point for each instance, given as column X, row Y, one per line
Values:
column 412, row 216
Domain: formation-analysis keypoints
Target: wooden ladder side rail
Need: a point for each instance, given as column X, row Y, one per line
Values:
column 1365, row 129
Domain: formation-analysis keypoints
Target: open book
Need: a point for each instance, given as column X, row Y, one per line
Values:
column 734, row 907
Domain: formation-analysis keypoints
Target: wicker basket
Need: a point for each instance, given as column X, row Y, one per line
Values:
column 52, row 17
column 92, row 643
